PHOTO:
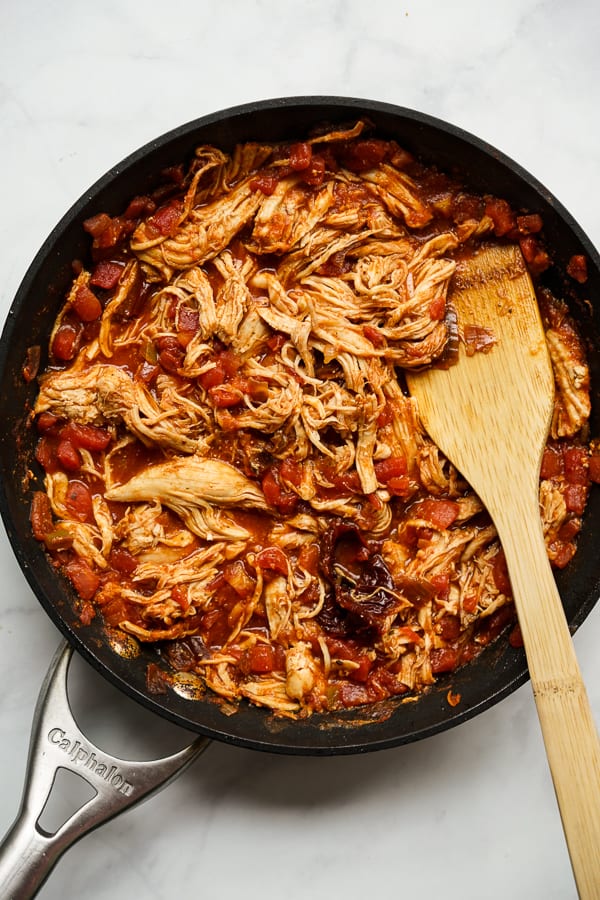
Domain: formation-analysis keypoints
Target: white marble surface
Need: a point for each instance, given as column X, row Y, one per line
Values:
column 469, row 814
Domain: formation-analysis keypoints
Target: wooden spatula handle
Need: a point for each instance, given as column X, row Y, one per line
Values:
column 490, row 415
column 568, row 728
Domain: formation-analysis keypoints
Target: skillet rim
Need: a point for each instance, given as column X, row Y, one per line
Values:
column 358, row 732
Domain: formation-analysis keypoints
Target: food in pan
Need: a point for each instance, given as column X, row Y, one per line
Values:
column 233, row 470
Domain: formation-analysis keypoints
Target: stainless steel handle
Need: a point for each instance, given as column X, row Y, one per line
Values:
column 28, row 853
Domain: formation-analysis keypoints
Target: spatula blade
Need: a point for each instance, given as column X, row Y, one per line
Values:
column 494, row 406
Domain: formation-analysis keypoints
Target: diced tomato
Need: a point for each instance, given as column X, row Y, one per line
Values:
column 45, row 421
column 384, row 683
column 535, row 256
column 266, row 183
column 392, row 467
column 346, row 481
column 180, row 595
column 365, row 664
column 386, row 415
column 441, row 584
column 58, row 539
column 272, row 558
column 342, row 649
column 501, row 215
column 400, row 486
column 363, row 155
column 166, row 219
column 227, row 421
column 106, row 275
column 45, row 453
column 300, row 156
column 147, row 372
column 171, row 360
column 594, row 466
column 214, row 626
column 237, row 576
column 400, row 158
column 440, row 513
column 276, row 341
column 78, row 501
column 577, row 268
column 258, row 660
column 96, row 225
column 224, row 396
column 443, row 659
column 561, row 553
column 575, row 498
column 168, row 342
column 291, row 471
column 529, row 224
column 469, row 602
column 424, row 537
column 212, row 377
column 437, row 308
column 552, row 463
column 41, row 515
column 349, row 694
column 66, row 339
column 188, row 319
column 231, row 362
column 86, row 305
column 122, row 560
column 314, row 174
column 83, row 579
column 409, row 635
column 68, row 456
column 279, row 657
column 448, row 627
column 113, row 233
column 576, row 465
column 283, row 500
column 569, row 529
column 87, row 613
column 139, row 206
column 88, row 437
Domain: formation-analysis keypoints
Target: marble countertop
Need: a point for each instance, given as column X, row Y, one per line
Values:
column 467, row 814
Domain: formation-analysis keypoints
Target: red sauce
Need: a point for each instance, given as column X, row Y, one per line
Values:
column 362, row 594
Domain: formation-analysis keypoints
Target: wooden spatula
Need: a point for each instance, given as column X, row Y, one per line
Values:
column 490, row 414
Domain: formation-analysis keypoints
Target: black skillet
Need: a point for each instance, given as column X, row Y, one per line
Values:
column 500, row 669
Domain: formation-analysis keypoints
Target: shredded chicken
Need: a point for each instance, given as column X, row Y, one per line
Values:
column 197, row 490
column 573, row 407
column 106, row 393
column 232, row 465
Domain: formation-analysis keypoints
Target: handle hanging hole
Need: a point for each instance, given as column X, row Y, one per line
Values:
column 69, row 792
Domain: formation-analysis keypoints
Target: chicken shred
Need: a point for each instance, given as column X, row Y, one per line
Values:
column 232, row 465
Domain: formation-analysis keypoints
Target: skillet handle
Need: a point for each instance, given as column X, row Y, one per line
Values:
column 28, row 853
